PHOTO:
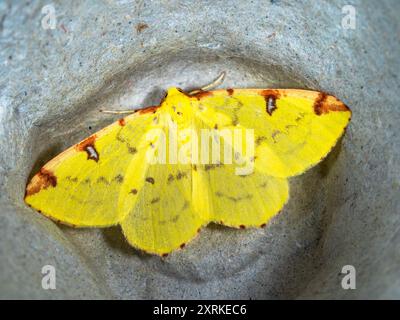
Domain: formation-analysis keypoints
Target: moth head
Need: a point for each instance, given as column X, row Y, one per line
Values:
column 177, row 103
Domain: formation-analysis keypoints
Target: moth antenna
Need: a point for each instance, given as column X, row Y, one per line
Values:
column 215, row 83
column 118, row 111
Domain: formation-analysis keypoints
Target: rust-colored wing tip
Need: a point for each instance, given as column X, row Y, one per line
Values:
column 325, row 103
column 42, row 180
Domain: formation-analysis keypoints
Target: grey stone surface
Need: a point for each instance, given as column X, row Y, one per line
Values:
column 344, row 211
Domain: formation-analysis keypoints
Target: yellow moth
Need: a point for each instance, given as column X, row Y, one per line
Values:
column 162, row 186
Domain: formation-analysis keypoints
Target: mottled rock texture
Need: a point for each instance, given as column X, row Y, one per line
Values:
column 123, row 54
